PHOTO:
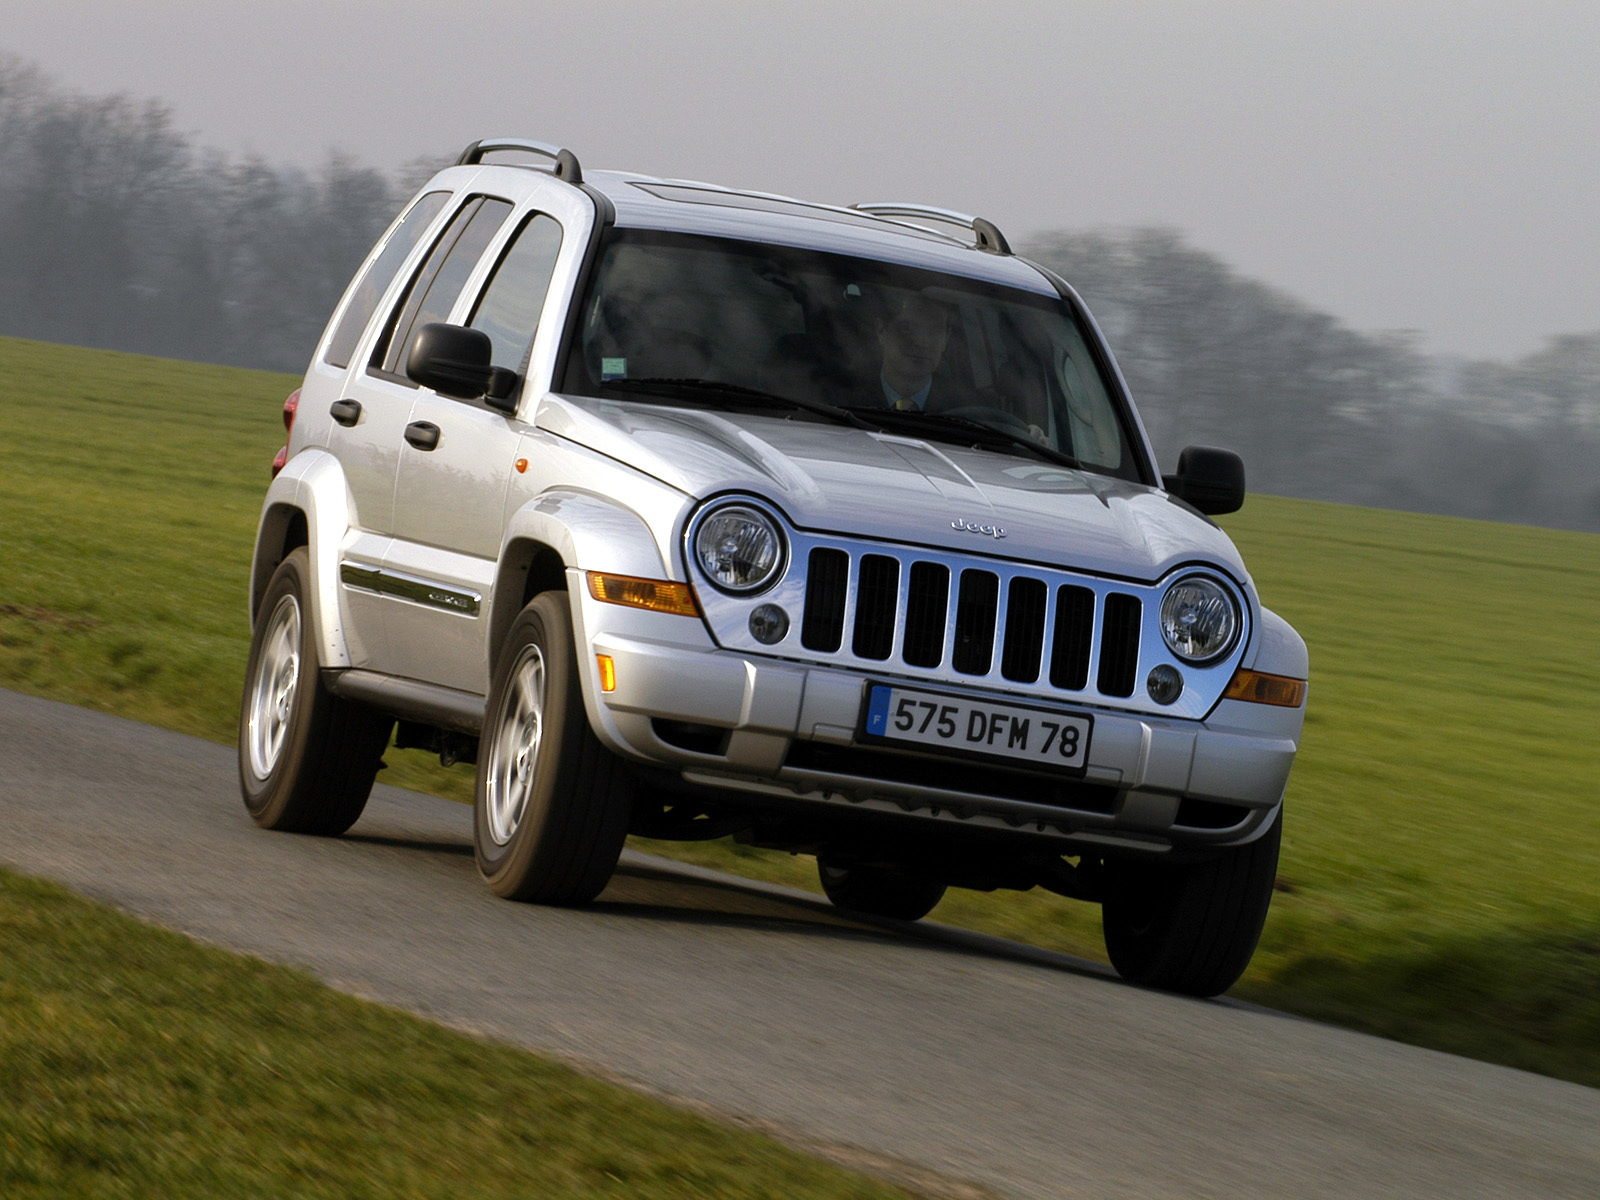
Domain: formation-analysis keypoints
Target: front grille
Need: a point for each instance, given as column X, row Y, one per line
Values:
column 903, row 610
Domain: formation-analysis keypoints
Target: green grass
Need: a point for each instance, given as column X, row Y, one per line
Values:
column 1440, row 880
column 137, row 1063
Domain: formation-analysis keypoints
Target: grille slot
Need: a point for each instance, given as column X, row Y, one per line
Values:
column 1069, row 662
column 1024, row 640
column 827, row 579
column 1119, row 647
column 877, row 592
column 977, row 606
column 927, row 605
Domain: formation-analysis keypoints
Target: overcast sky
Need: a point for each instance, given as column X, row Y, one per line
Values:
column 1430, row 165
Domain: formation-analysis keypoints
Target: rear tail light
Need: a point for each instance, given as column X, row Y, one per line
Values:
column 290, row 406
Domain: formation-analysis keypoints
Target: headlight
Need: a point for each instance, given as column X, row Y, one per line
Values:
column 1199, row 619
column 739, row 548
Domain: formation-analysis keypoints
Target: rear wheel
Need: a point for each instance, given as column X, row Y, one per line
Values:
column 1190, row 927
column 307, row 758
column 552, row 804
column 880, row 890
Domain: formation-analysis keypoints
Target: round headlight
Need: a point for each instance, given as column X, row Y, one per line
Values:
column 1199, row 619
column 740, row 549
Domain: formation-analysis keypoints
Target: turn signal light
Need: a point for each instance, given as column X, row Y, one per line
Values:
column 1257, row 687
column 657, row 595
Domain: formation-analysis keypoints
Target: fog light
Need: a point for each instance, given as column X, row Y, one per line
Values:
column 1165, row 684
column 768, row 624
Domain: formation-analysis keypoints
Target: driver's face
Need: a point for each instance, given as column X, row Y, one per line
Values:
column 913, row 343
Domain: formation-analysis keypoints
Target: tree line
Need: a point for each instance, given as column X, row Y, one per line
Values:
column 117, row 231
column 1323, row 411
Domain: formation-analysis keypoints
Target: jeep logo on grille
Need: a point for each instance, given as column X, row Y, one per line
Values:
column 965, row 526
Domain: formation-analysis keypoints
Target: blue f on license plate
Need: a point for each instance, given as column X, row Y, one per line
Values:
column 1043, row 737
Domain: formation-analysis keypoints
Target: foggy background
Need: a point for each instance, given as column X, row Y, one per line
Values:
column 1354, row 242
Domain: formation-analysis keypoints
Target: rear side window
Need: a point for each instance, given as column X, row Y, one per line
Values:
column 378, row 275
column 510, row 306
column 437, row 286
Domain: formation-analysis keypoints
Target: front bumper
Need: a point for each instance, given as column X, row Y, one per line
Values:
column 788, row 732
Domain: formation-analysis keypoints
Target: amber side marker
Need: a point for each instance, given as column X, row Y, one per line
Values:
column 1257, row 687
column 608, row 672
column 657, row 595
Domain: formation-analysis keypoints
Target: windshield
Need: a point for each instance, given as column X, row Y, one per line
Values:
column 679, row 318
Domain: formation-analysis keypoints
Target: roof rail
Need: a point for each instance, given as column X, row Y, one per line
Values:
column 988, row 236
column 566, row 161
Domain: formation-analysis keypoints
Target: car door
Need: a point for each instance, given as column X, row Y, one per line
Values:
column 367, row 422
column 372, row 419
column 451, row 499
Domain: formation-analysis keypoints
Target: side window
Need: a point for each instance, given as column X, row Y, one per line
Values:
column 378, row 275
column 509, row 308
column 439, row 281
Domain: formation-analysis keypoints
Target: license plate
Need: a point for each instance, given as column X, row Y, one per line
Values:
column 1041, row 736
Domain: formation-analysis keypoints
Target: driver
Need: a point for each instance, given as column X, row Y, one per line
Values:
column 912, row 338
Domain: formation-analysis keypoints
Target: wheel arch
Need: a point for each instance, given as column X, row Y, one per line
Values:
column 562, row 531
column 1280, row 650
column 528, row 566
column 306, row 505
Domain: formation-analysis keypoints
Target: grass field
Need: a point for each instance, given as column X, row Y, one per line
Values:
column 136, row 1063
column 1440, row 880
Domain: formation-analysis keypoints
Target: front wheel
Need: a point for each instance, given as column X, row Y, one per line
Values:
column 307, row 758
column 552, row 804
column 1190, row 927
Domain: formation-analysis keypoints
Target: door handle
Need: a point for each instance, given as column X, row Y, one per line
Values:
column 346, row 412
column 424, row 435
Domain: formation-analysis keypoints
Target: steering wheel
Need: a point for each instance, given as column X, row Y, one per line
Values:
column 995, row 418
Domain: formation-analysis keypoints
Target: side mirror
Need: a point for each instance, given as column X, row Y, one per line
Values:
column 1211, row 480
column 455, row 361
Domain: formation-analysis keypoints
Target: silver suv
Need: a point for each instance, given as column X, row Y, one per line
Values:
column 692, row 512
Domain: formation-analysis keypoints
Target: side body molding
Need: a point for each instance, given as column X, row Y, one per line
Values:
column 312, row 484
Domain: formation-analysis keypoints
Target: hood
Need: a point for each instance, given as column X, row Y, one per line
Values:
column 835, row 479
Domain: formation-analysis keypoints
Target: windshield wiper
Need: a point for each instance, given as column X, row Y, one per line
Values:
column 950, row 427
column 715, row 389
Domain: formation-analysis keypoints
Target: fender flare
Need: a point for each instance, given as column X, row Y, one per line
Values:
column 312, row 487
column 583, row 531
column 1280, row 650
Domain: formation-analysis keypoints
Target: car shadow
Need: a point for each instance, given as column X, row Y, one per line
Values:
column 649, row 887
column 394, row 842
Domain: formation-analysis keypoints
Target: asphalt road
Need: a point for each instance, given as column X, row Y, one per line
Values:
column 1028, row 1073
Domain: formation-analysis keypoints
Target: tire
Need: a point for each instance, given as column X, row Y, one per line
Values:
column 1191, row 927
column 880, row 891
column 552, row 804
column 307, row 758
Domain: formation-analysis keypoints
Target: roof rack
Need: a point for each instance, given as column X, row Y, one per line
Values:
column 566, row 162
column 988, row 236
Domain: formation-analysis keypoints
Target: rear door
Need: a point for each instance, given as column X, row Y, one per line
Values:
column 363, row 427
